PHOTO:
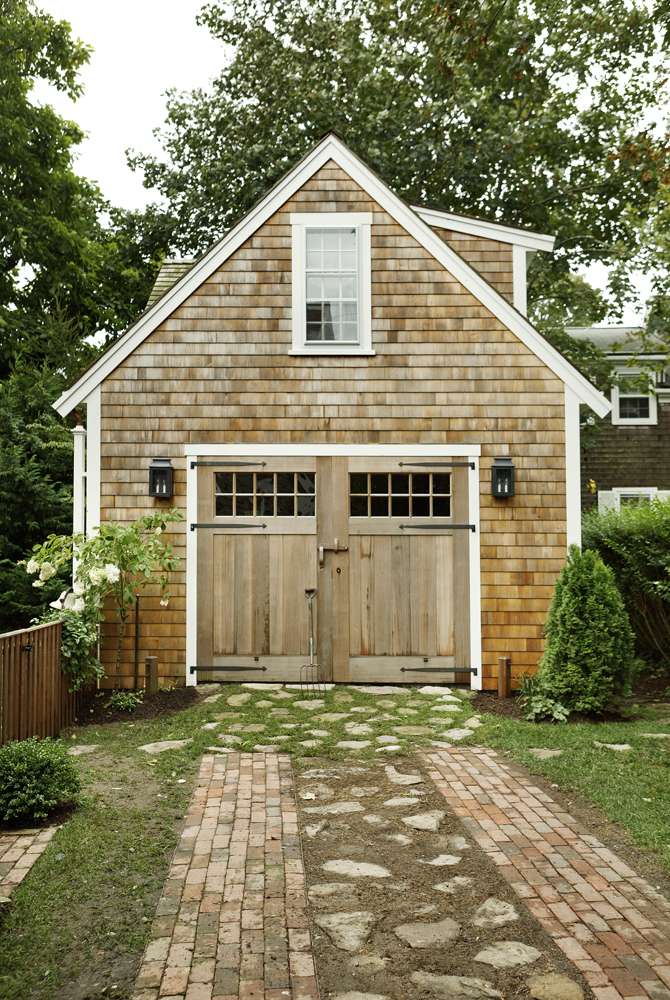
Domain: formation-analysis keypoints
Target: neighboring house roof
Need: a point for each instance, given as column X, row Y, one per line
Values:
column 170, row 272
column 623, row 340
column 332, row 148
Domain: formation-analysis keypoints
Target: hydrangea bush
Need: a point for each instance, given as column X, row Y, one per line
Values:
column 109, row 565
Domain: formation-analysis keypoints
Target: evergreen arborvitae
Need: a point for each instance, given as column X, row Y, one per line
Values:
column 589, row 655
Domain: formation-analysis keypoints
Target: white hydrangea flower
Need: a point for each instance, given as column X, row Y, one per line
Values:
column 96, row 575
column 32, row 566
column 112, row 572
column 69, row 601
column 164, row 602
column 78, row 604
column 38, row 583
column 78, row 588
column 47, row 571
column 159, row 530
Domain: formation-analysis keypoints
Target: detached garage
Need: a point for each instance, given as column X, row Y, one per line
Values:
column 343, row 395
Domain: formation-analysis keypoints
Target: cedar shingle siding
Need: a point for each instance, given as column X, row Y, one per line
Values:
column 445, row 371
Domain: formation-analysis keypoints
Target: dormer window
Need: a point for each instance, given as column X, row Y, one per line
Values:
column 331, row 283
column 631, row 405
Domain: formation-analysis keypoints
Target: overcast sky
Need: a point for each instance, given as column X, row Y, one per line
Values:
column 140, row 49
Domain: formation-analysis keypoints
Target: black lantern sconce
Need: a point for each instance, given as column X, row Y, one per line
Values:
column 161, row 479
column 502, row 478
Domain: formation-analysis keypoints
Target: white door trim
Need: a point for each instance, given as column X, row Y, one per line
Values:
column 469, row 451
column 457, row 450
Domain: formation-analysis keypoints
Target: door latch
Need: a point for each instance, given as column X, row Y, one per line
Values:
column 335, row 547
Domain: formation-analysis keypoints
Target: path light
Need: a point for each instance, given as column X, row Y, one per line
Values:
column 161, row 479
column 502, row 478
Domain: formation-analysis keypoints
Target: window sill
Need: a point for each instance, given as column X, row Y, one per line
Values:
column 331, row 352
column 618, row 422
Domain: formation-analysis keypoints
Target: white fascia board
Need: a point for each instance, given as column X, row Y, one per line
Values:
column 321, row 450
column 573, row 471
column 485, row 230
column 332, row 149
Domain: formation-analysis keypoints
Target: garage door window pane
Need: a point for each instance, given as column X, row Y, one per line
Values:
column 383, row 494
column 265, row 494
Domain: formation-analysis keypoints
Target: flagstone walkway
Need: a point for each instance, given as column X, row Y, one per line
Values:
column 233, row 920
column 610, row 922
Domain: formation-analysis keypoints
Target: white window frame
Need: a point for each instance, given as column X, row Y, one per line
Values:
column 620, row 421
column 651, row 492
column 300, row 223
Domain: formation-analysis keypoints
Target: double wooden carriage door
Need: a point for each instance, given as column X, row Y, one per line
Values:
column 383, row 540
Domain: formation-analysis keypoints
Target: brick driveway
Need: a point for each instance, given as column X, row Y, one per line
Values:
column 232, row 922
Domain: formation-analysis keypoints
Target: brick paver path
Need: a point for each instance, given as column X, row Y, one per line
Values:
column 231, row 923
column 19, row 851
column 610, row 922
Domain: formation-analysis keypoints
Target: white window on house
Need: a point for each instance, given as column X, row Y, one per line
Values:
column 627, row 496
column 331, row 283
column 631, row 405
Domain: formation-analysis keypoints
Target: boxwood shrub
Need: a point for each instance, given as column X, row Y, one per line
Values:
column 36, row 777
column 589, row 656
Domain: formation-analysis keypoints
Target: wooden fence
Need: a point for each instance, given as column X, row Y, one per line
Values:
column 34, row 695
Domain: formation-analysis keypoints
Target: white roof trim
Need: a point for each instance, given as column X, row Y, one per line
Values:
column 331, row 148
column 487, row 230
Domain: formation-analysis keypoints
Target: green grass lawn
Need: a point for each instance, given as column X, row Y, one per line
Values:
column 631, row 787
column 79, row 922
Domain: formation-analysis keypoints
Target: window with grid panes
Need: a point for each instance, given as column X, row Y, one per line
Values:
column 331, row 285
column 400, row 494
column 265, row 494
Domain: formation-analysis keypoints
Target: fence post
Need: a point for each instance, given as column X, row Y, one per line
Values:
column 151, row 674
column 504, row 676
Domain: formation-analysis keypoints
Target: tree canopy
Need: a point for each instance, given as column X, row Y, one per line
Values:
column 71, row 265
column 540, row 114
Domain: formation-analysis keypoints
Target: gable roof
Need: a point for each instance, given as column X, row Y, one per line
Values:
column 331, row 148
column 625, row 341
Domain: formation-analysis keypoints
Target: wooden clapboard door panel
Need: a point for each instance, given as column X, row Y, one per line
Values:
column 254, row 568
column 404, row 556
column 377, row 538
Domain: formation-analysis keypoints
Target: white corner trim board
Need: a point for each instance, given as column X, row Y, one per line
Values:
column 519, row 280
column 332, row 149
column 79, row 480
column 470, row 451
column 573, row 471
column 93, row 461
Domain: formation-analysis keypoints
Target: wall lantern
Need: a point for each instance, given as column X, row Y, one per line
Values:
column 161, row 479
column 502, row 478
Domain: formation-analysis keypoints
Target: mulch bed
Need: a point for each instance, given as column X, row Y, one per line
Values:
column 488, row 701
column 151, row 707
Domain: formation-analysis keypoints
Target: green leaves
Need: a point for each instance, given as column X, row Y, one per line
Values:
column 635, row 543
column 589, row 659
column 528, row 114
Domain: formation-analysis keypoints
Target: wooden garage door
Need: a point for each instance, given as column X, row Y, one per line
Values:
column 375, row 536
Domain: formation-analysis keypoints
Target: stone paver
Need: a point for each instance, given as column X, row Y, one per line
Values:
column 231, row 922
column 611, row 923
column 19, row 850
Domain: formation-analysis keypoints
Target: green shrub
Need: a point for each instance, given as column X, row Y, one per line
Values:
column 589, row 656
column 537, row 704
column 79, row 639
column 124, row 701
column 635, row 543
column 36, row 777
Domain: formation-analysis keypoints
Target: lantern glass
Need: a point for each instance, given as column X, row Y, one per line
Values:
column 161, row 479
column 502, row 478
